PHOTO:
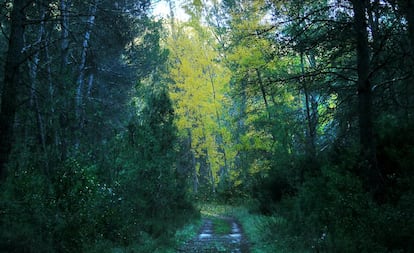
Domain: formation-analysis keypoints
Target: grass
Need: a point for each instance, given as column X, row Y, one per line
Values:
column 187, row 232
column 259, row 229
column 221, row 226
column 264, row 233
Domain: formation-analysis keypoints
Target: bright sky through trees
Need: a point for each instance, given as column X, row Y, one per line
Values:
column 162, row 10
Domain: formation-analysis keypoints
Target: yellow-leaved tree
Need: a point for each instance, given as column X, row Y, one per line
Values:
column 199, row 90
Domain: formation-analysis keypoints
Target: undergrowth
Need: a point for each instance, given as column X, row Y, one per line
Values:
column 255, row 226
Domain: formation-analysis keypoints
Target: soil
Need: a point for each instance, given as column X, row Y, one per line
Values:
column 207, row 241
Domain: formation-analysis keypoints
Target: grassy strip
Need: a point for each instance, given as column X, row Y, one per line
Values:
column 259, row 229
column 221, row 226
column 188, row 232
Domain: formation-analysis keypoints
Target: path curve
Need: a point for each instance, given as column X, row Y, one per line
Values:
column 208, row 241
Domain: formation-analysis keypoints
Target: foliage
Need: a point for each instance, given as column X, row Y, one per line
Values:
column 302, row 151
column 199, row 90
column 113, row 123
column 92, row 164
column 64, row 213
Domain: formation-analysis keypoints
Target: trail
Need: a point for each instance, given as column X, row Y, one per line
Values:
column 209, row 241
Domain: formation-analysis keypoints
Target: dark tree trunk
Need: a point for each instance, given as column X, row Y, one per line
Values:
column 367, row 142
column 64, row 9
column 262, row 89
column 12, row 79
column 310, row 115
column 409, row 13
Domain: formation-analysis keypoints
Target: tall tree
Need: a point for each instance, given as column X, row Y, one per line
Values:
column 199, row 94
column 364, row 91
column 12, row 81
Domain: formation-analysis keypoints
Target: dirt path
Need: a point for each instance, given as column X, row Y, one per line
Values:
column 209, row 241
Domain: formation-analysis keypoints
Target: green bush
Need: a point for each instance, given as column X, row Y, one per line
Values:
column 64, row 211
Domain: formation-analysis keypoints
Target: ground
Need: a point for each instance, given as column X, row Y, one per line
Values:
column 218, row 234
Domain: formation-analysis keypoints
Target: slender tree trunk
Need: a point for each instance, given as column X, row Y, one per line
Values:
column 34, row 100
column 193, row 162
column 90, row 85
column 64, row 10
column 172, row 19
column 408, row 7
column 52, row 120
column 364, row 95
column 82, row 66
column 79, row 105
column 221, row 143
column 62, row 120
column 263, row 91
column 310, row 138
column 12, row 79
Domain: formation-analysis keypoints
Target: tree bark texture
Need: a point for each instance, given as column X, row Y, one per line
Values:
column 309, row 114
column 409, row 15
column 12, row 79
column 364, row 93
column 82, row 66
column 64, row 9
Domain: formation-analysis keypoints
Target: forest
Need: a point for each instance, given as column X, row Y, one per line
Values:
column 121, row 131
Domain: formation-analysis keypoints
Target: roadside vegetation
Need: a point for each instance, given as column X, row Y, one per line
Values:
column 120, row 130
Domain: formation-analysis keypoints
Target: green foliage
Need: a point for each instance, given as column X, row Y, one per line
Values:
column 70, row 209
column 221, row 226
column 89, row 170
column 148, row 180
column 254, row 102
column 332, row 212
column 188, row 231
column 199, row 91
column 62, row 212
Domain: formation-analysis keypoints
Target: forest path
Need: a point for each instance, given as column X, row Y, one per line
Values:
column 218, row 234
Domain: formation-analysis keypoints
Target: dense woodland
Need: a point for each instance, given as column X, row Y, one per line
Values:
column 114, row 123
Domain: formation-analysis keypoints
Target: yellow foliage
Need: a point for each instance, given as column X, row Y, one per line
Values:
column 198, row 91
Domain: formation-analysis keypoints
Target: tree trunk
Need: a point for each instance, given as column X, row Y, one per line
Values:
column 193, row 162
column 12, row 79
column 34, row 100
column 367, row 142
column 82, row 68
column 263, row 91
column 64, row 44
column 310, row 114
column 409, row 15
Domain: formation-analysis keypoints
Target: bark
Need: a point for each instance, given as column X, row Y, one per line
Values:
column 90, row 86
column 64, row 9
column 309, row 113
column 221, row 143
column 34, row 100
column 263, row 91
column 367, row 142
column 409, row 14
column 193, row 162
column 172, row 19
column 61, row 122
column 52, row 120
column 12, row 79
column 373, row 20
column 211, row 175
column 82, row 66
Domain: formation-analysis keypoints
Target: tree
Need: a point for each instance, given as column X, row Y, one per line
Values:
column 364, row 93
column 199, row 94
column 12, row 81
column 71, row 73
